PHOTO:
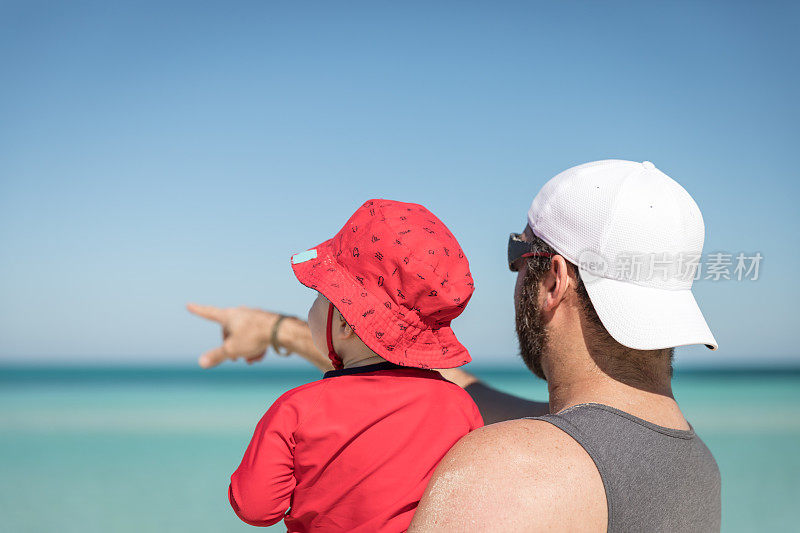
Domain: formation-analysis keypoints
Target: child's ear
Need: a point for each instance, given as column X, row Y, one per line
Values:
column 347, row 331
column 344, row 328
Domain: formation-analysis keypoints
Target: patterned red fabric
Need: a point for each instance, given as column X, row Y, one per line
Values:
column 399, row 277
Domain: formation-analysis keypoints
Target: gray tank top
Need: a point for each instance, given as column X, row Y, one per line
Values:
column 656, row 478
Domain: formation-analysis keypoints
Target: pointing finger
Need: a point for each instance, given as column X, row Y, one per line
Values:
column 207, row 311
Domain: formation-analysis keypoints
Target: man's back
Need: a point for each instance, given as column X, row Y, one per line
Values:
column 530, row 475
column 655, row 478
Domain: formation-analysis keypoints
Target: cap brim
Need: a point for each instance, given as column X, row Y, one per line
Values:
column 646, row 318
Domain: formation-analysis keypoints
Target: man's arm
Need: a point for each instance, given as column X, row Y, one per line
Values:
column 247, row 333
column 495, row 406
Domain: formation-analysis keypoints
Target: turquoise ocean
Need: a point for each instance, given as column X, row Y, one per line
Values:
column 134, row 449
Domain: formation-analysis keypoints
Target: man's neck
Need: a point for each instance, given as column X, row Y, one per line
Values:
column 576, row 379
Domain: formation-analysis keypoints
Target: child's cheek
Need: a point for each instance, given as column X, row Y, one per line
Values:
column 316, row 324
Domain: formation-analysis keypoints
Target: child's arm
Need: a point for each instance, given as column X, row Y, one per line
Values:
column 261, row 488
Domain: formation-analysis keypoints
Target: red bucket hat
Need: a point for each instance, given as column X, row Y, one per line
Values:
column 399, row 277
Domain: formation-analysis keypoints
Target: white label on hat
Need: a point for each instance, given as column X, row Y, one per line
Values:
column 302, row 257
column 592, row 266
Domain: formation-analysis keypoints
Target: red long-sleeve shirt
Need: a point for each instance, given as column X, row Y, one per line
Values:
column 351, row 452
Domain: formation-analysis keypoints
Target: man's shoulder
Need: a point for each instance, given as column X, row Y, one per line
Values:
column 530, row 442
column 511, row 475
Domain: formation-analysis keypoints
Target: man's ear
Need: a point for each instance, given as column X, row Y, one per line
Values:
column 556, row 283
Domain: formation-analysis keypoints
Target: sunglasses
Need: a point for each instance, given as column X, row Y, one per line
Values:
column 518, row 248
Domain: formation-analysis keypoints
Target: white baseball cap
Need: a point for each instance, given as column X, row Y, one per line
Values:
column 636, row 236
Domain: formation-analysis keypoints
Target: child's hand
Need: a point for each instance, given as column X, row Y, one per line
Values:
column 245, row 333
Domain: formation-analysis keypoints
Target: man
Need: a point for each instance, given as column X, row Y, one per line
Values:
column 603, row 295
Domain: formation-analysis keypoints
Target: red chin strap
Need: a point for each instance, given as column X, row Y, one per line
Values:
column 332, row 355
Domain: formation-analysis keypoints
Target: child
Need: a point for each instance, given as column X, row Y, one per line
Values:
column 355, row 450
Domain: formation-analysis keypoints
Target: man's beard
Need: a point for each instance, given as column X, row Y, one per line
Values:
column 531, row 333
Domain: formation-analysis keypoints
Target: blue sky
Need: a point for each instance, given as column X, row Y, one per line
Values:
column 154, row 154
